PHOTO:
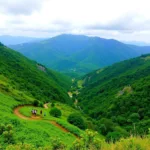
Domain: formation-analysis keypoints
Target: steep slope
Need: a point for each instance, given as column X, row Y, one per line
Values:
column 119, row 93
column 23, row 78
column 77, row 54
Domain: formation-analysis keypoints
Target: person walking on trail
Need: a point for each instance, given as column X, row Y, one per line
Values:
column 32, row 111
column 35, row 112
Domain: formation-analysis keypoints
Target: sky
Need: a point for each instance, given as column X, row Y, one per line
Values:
column 125, row 20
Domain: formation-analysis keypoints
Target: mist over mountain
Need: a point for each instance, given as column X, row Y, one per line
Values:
column 137, row 43
column 13, row 40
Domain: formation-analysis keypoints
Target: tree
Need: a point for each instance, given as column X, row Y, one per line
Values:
column 76, row 120
column 134, row 117
column 113, row 136
column 35, row 102
column 55, row 112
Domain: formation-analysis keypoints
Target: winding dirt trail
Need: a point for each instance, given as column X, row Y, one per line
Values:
column 35, row 118
column 46, row 105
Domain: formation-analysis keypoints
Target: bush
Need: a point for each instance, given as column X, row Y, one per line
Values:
column 8, row 136
column 2, row 128
column 76, row 120
column 57, row 144
column 105, row 125
column 71, row 128
column 55, row 112
column 41, row 104
column 9, row 127
column 52, row 104
column 113, row 136
column 134, row 117
column 87, row 142
column 35, row 102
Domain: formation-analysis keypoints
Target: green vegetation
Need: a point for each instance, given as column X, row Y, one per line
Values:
column 55, row 112
column 26, row 131
column 71, row 128
column 118, row 97
column 26, row 111
column 76, row 120
column 91, row 142
column 76, row 55
column 23, row 81
column 21, row 78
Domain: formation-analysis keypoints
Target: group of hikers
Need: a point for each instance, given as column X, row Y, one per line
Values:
column 34, row 112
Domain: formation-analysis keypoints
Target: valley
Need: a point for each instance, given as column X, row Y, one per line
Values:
column 110, row 105
column 74, row 75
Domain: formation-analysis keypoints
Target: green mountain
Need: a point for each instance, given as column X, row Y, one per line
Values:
column 22, row 81
column 77, row 54
column 23, row 78
column 119, row 95
column 25, row 86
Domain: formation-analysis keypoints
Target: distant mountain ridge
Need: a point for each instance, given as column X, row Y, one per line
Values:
column 78, row 54
column 13, row 40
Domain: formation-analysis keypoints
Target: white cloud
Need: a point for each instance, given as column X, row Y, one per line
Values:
column 19, row 7
column 121, row 19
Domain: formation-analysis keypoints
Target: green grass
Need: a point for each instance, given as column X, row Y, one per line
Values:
column 66, row 111
column 37, row 133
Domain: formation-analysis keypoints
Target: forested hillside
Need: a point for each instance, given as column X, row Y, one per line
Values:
column 21, row 77
column 118, row 96
column 76, row 55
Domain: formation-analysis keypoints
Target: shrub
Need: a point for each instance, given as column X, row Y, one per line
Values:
column 134, row 117
column 35, row 102
column 21, row 146
column 2, row 128
column 9, row 127
column 57, row 144
column 87, row 142
column 105, row 125
column 76, row 120
column 55, row 112
column 52, row 104
column 8, row 136
column 40, row 104
column 113, row 136
column 71, row 128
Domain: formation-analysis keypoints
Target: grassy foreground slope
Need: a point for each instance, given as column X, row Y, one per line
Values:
column 25, row 131
column 23, row 78
column 119, row 95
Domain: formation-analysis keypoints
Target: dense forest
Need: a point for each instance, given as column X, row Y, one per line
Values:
column 30, row 77
column 118, row 97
